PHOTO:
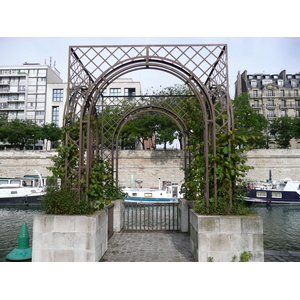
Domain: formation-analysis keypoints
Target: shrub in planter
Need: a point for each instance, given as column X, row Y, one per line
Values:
column 64, row 201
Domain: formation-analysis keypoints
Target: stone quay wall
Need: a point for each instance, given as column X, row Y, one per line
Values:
column 149, row 166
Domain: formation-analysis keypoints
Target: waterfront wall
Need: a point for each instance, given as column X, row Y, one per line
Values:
column 284, row 163
column 152, row 165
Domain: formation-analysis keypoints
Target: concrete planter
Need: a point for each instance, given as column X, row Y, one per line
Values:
column 223, row 237
column 76, row 238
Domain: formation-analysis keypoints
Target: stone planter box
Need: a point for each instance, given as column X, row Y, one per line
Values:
column 76, row 238
column 223, row 237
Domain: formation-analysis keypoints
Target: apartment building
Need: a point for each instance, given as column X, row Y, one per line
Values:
column 36, row 92
column 273, row 95
column 23, row 91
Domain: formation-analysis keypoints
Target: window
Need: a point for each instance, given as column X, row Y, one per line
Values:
column 55, row 115
column 283, row 103
column 276, row 195
column 280, row 83
column 298, row 113
column 269, row 92
column 271, row 102
column 115, row 92
column 284, row 113
column 256, row 103
column 296, row 93
column 271, row 114
column 281, row 93
column 255, row 93
column 130, row 92
column 297, row 103
column 261, row 194
column 58, row 95
column 294, row 83
column 253, row 83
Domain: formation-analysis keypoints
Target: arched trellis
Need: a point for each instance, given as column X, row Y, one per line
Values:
column 146, row 109
column 92, row 68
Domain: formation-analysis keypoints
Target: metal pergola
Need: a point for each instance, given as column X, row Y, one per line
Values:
column 92, row 68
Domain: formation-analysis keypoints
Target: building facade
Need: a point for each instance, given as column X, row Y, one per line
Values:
column 273, row 95
column 36, row 92
column 23, row 91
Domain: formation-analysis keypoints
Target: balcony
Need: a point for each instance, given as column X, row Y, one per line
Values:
column 6, row 106
column 4, row 82
column 270, row 106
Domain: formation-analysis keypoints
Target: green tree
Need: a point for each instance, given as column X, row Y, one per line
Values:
column 248, row 123
column 167, row 131
column 284, row 130
column 20, row 133
column 297, row 128
column 50, row 132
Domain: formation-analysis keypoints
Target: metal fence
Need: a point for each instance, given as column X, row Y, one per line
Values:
column 151, row 216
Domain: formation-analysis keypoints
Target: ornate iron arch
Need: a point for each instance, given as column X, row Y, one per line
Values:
column 92, row 68
column 146, row 109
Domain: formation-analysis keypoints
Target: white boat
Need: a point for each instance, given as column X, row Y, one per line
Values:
column 170, row 192
column 25, row 190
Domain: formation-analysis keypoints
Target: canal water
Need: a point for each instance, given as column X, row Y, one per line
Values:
column 281, row 227
column 11, row 220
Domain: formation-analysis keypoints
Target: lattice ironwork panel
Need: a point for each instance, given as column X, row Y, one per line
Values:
column 92, row 68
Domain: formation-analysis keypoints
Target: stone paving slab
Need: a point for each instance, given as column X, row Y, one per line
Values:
column 149, row 247
column 167, row 247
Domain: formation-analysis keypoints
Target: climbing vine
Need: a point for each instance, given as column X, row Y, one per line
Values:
column 66, row 199
column 230, row 171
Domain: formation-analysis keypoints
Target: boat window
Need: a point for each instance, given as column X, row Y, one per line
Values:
column 148, row 195
column 3, row 181
column 261, row 194
column 276, row 195
column 15, row 181
column 14, row 192
column 134, row 194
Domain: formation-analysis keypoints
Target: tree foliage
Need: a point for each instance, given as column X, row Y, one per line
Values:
column 22, row 133
column 284, row 129
column 249, row 124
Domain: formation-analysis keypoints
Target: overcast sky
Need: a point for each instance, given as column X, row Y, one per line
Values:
column 32, row 35
column 257, row 54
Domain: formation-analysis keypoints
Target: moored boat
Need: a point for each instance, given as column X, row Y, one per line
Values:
column 170, row 192
column 27, row 190
column 283, row 192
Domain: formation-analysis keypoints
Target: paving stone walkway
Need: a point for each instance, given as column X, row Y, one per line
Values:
column 149, row 247
column 167, row 247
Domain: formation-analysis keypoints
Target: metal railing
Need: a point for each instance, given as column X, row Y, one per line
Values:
column 151, row 216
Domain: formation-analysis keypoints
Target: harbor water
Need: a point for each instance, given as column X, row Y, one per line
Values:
column 11, row 220
column 281, row 227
